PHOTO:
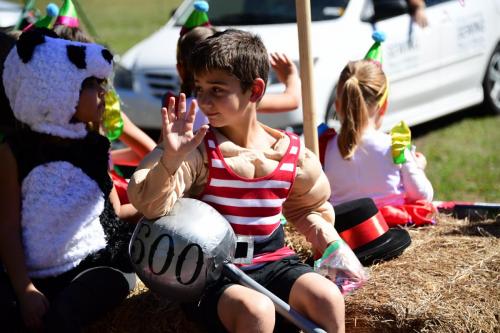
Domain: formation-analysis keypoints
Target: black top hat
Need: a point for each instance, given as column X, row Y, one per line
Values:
column 363, row 228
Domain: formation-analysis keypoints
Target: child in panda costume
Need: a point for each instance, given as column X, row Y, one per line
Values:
column 62, row 247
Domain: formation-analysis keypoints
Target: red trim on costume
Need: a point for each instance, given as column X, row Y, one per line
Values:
column 450, row 205
column 365, row 232
column 273, row 256
column 121, row 185
column 28, row 27
column 323, row 143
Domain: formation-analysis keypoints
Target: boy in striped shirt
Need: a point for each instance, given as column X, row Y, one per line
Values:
column 251, row 174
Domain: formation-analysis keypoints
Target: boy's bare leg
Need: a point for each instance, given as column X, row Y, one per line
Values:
column 242, row 309
column 320, row 300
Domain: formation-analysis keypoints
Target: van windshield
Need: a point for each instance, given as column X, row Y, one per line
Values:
column 251, row 12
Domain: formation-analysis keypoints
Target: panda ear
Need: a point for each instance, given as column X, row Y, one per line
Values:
column 76, row 54
column 27, row 43
column 107, row 55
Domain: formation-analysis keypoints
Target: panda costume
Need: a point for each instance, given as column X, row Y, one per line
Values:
column 75, row 247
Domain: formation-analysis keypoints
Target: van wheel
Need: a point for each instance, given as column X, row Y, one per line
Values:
column 491, row 83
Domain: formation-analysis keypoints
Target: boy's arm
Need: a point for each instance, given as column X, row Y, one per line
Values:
column 417, row 11
column 32, row 302
column 416, row 184
column 307, row 206
column 11, row 251
column 287, row 73
column 153, row 189
column 171, row 168
column 125, row 212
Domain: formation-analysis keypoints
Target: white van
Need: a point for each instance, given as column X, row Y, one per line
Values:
column 10, row 13
column 451, row 64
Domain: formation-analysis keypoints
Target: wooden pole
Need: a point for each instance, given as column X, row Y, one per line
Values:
column 303, row 9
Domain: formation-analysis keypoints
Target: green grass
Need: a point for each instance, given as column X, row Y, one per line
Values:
column 463, row 158
column 122, row 23
column 463, row 161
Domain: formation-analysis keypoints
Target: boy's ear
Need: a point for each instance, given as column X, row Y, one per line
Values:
column 258, row 88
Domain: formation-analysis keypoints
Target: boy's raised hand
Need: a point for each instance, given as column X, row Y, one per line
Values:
column 177, row 129
column 284, row 68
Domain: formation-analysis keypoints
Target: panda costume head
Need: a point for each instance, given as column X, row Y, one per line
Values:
column 43, row 75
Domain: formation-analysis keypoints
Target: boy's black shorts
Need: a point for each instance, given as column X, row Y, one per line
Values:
column 278, row 277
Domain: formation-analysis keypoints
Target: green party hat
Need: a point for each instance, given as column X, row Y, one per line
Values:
column 197, row 18
column 375, row 52
column 28, row 10
column 46, row 21
column 68, row 15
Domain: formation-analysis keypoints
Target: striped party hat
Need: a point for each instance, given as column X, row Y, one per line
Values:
column 68, row 15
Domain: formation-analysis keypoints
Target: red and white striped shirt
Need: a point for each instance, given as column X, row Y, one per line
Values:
column 252, row 206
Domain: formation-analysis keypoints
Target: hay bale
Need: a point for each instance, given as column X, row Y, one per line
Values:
column 144, row 311
column 448, row 280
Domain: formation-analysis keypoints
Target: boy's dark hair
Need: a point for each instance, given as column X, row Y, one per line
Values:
column 237, row 52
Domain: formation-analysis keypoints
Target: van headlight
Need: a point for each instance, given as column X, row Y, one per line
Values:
column 123, row 78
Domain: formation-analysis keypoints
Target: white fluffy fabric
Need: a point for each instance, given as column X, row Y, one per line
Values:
column 44, row 92
column 55, row 243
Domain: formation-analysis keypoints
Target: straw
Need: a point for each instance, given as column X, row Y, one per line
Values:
column 448, row 280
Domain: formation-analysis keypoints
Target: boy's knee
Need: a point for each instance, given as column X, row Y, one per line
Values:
column 248, row 313
column 256, row 310
column 259, row 308
column 332, row 295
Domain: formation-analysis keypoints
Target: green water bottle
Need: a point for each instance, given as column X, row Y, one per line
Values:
column 112, row 122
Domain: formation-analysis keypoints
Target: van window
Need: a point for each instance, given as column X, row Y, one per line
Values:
column 384, row 9
column 430, row 3
column 251, row 12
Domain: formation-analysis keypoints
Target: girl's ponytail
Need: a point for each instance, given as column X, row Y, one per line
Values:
column 355, row 117
column 362, row 84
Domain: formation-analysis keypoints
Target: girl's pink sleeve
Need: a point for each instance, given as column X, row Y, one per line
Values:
column 415, row 182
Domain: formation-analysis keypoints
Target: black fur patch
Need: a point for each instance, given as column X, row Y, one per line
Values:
column 27, row 43
column 76, row 54
column 107, row 55
column 29, row 40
